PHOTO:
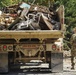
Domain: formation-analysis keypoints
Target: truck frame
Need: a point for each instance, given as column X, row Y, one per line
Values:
column 33, row 49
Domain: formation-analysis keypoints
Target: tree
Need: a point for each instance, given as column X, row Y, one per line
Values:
column 5, row 3
column 70, row 17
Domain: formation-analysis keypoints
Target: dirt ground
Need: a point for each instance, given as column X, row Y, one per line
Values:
column 67, row 61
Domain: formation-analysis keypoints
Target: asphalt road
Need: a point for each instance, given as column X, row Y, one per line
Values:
column 66, row 70
column 63, row 73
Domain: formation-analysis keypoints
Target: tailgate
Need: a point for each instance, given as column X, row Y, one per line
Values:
column 42, row 34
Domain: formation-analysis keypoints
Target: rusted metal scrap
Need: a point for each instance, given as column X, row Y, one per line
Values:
column 39, row 8
column 35, row 18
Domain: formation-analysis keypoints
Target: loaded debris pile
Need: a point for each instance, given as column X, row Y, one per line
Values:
column 30, row 17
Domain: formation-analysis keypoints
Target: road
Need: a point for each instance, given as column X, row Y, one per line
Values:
column 66, row 70
column 63, row 73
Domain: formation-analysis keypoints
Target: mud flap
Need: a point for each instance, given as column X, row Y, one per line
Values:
column 56, row 62
column 3, row 62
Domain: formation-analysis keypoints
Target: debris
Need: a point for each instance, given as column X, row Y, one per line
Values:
column 30, row 17
column 24, row 5
column 47, row 24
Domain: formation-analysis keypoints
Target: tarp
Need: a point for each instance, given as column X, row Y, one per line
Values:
column 25, row 5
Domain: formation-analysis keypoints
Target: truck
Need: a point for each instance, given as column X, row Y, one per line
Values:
column 33, row 49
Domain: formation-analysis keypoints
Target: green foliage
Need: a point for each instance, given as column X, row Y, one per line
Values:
column 70, row 18
column 4, row 3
